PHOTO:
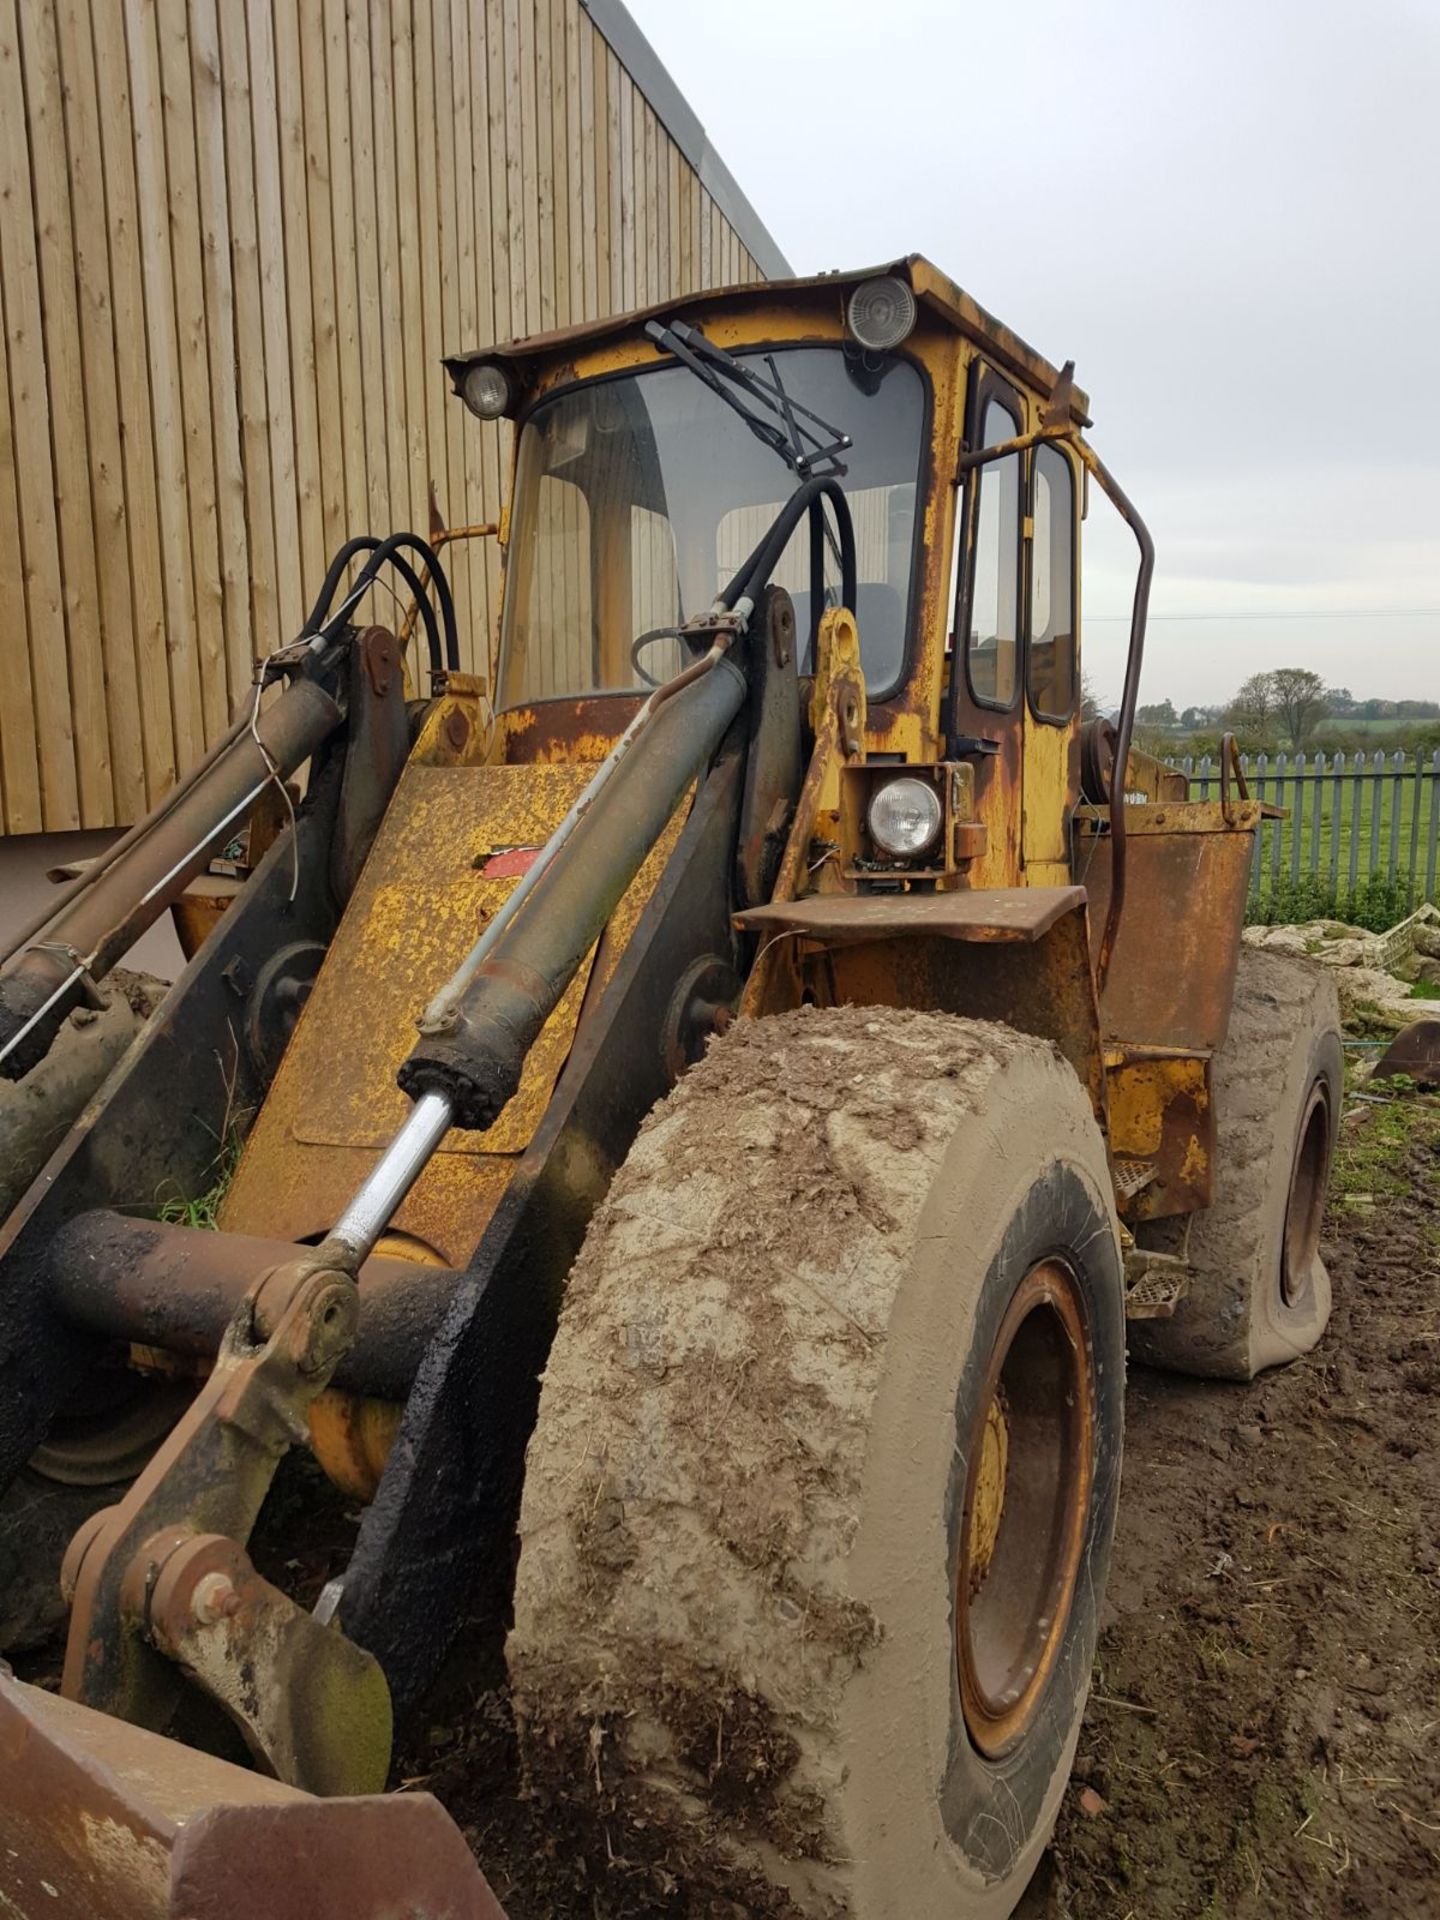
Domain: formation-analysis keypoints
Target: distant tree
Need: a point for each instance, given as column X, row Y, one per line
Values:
column 1339, row 700
column 1092, row 704
column 1251, row 715
column 1162, row 714
column 1300, row 703
column 1196, row 717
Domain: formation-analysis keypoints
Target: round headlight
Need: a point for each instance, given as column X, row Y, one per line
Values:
column 486, row 390
column 882, row 312
column 904, row 816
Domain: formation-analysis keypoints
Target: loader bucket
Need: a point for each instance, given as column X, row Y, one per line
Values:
column 104, row 1821
column 1415, row 1051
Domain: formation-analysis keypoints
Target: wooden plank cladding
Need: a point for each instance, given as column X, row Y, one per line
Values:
column 236, row 237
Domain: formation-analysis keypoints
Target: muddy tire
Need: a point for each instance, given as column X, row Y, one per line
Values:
column 1260, row 1294
column 782, row 1646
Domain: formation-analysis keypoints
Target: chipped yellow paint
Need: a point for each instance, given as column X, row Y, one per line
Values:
column 352, row 1436
column 419, row 906
column 459, row 727
column 1140, row 1093
column 1160, row 1112
column 1046, row 793
column 989, row 1501
column 839, row 686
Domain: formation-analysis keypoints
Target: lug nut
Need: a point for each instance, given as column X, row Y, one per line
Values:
column 214, row 1599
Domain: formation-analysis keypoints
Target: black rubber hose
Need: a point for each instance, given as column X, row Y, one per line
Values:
column 390, row 550
column 366, row 578
column 381, row 552
column 755, row 571
column 325, row 599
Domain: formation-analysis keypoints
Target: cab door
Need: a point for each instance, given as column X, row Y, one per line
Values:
column 987, row 696
column 1050, row 665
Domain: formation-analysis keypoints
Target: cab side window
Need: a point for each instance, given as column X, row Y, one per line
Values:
column 1050, row 668
column 993, row 639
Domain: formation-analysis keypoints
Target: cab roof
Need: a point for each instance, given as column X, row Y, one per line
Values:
column 933, row 290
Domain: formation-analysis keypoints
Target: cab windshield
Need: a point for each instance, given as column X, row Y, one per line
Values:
column 638, row 497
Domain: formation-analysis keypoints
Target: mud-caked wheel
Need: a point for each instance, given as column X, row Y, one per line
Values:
column 818, row 1508
column 1259, row 1293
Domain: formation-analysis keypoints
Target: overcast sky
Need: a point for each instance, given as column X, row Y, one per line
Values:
column 1227, row 214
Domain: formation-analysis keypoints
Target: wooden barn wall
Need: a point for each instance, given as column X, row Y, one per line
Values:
column 236, row 237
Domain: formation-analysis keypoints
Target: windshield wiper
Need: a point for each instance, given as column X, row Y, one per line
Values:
column 785, row 426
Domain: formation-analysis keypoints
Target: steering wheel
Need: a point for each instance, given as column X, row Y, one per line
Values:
column 638, row 646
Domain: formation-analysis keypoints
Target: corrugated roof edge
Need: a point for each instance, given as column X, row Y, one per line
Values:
column 643, row 64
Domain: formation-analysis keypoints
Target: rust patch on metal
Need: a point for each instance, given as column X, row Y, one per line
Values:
column 1041, row 985
column 978, row 913
column 101, row 1817
column 1415, row 1051
column 1172, row 974
column 565, row 731
column 1162, row 1131
column 1012, row 1608
column 415, row 912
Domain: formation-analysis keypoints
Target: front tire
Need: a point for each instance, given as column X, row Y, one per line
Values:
column 818, row 1509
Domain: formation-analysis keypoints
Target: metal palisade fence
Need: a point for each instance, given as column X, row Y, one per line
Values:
column 1362, row 840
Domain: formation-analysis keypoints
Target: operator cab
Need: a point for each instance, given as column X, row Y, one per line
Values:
column 654, row 451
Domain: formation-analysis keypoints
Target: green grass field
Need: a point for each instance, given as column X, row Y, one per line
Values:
column 1375, row 822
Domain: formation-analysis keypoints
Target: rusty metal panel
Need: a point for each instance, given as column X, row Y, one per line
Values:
column 415, row 912
column 1042, row 986
column 103, row 1821
column 979, row 913
column 1172, row 975
column 1162, row 1131
column 418, row 907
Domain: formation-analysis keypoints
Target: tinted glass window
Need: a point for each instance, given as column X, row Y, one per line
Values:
column 637, row 498
column 1051, row 665
column 992, row 644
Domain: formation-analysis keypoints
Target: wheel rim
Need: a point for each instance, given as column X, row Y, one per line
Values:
column 110, row 1429
column 1027, row 1502
column 1305, row 1207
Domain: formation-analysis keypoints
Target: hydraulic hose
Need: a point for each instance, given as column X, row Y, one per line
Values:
column 756, row 569
column 383, row 551
column 391, row 550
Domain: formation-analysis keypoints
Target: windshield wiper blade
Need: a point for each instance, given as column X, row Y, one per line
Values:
column 786, row 426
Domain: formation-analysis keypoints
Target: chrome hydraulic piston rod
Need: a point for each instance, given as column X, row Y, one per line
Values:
column 90, row 933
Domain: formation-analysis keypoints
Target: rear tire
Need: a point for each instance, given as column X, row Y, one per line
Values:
column 1259, row 1294
column 796, row 1632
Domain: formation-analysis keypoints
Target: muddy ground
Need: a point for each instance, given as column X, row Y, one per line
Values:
column 1264, row 1731
column 1263, row 1737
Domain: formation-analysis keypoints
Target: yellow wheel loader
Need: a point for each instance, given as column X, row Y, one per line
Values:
column 699, row 1110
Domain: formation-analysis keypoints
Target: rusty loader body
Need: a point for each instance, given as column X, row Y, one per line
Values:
column 769, row 896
